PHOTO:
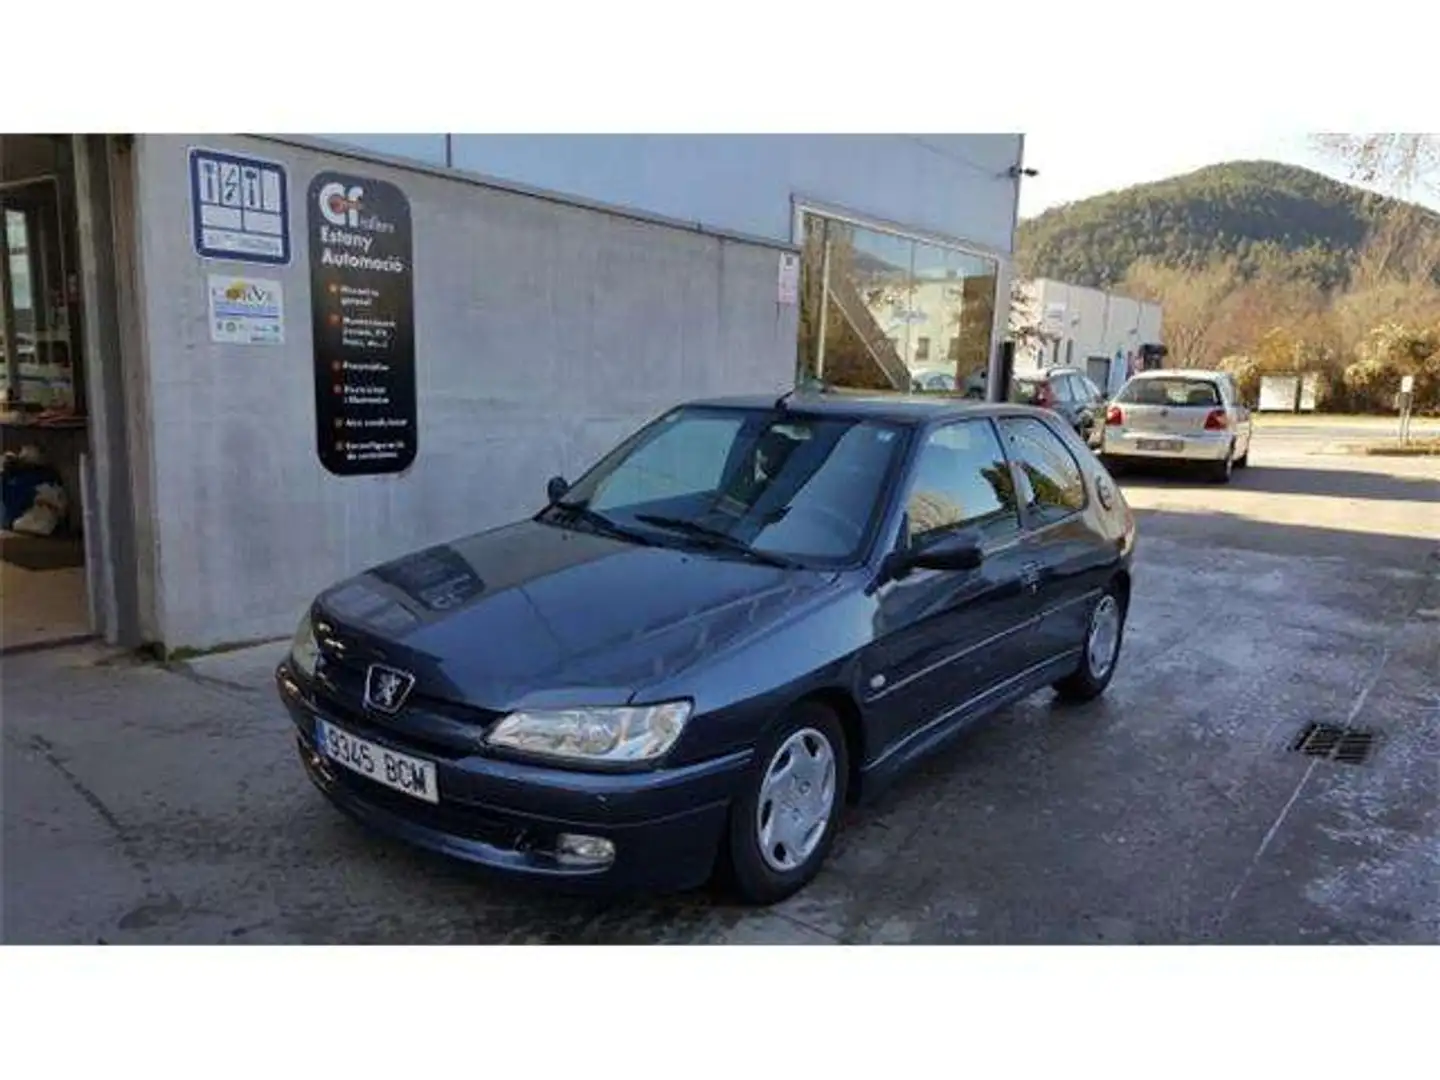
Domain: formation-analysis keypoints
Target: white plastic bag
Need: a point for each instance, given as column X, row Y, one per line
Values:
column 45, row 513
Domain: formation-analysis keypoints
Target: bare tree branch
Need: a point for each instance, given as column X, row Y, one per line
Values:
column 1398, row 160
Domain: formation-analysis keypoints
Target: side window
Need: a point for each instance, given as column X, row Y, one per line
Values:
column 1056, row 484
column 1062, row 388
column 960, row 480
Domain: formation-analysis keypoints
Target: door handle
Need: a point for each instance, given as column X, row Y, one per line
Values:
column 1030, row 577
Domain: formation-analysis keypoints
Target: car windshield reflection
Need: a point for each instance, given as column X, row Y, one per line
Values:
column 783, row 487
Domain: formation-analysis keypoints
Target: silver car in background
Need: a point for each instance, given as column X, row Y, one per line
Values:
column 1179, row 417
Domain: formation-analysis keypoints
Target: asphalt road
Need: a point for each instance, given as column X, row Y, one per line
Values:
column 149, row 805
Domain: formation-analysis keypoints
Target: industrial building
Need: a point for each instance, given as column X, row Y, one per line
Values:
column 1106, row 335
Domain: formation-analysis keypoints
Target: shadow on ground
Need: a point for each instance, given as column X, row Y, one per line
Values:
column 1290, row 480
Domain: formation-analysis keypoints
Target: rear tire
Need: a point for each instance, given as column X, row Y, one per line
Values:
column 1100, row 651
column 1220, row 471
column 759, row 868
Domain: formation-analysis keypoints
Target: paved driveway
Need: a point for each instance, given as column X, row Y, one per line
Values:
column 150, row 805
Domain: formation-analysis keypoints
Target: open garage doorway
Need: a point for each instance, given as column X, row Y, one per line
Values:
column 43, row 426
column 68, row 334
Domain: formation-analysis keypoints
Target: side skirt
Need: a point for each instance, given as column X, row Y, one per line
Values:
column 950, row 724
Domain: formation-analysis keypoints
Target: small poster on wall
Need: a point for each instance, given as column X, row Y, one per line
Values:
column 788, row 285
column 363, row 318
column 246, row 311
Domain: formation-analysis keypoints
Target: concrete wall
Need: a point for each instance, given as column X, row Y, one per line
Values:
column 954, row 185
column 544, row 333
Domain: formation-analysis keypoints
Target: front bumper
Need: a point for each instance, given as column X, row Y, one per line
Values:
column 1122, row 443
column 505, row 817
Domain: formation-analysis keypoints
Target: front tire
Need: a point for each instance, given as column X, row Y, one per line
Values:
column 783, row 824
column 1100, row 652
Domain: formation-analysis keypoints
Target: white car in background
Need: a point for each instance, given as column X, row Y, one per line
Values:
column 1179, row 417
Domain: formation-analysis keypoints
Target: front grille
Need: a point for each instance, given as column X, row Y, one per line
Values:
column 426, row 726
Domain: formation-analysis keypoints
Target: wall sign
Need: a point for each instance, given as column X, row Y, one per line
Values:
column 239, row 208
column 246, row 311
column 362, row 313
column 787, row 287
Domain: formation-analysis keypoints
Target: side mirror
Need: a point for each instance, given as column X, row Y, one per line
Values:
column 556, row 488
column 952, row 553
column 960, row 551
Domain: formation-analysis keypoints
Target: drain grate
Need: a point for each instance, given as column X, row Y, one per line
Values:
column 1349, row 746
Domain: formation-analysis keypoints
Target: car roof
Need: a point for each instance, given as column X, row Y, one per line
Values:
column 1048, row 373
column 1181, row 373
column 909, row 409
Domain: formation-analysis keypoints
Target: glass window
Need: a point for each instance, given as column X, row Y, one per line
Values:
column 804, row 487
column 874, row 304
column 1063, row 387
column 961, row 480
column 1170, row 391
column 1056, row 486
column 1026, row 391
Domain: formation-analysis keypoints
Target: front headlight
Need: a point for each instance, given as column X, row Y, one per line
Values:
column 304, row 649
column 619, row 735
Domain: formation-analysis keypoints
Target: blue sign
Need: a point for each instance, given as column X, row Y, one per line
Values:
column 240, row 208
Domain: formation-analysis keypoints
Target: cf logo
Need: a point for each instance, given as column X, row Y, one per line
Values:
column 341, row 205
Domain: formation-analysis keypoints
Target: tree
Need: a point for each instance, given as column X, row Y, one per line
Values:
column 1026, row 328
column 1399, row 161
column 1391, row 351
column 1190, row 301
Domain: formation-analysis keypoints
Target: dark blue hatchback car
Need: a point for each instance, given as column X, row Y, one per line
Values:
column 746, row 616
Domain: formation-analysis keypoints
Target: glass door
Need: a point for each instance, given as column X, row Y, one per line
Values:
column 36, row 330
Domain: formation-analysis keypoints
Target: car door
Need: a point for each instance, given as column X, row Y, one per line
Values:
column 1070, row 558
column 1063, row 397
column 1082, row 409
column 944, row 637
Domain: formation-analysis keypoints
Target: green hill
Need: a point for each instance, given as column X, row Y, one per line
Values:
column 1265, row 215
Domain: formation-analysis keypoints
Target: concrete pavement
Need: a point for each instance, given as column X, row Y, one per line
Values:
column 152, row 805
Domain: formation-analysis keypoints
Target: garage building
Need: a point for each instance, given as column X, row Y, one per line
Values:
column 237, row 368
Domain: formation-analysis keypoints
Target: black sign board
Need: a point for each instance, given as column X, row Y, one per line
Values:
column 362, row 310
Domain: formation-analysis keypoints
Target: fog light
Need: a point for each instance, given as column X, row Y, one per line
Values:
column 575, row 850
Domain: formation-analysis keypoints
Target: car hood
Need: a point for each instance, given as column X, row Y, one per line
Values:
column 537, row 615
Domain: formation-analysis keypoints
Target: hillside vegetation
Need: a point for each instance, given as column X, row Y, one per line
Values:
column 1264, row 267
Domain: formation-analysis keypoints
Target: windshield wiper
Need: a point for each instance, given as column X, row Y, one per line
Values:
column 582, row 512
column 716, row 538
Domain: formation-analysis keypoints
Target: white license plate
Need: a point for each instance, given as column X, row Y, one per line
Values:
column 1162, row 445
column 399, row 772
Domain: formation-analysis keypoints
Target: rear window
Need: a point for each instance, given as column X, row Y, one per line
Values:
column 1025, row 391
column 1171, row 392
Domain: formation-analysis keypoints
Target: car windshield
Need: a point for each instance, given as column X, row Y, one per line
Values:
column 1170, row 392
column 793, row 487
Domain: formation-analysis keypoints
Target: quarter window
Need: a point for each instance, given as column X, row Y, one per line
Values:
column 1052, row 475
column 961, row 481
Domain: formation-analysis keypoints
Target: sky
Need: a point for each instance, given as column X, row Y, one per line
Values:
column 1090, row 161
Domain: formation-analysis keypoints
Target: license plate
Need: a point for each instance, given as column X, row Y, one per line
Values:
column 1170, row 445
column 399, row 772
